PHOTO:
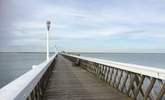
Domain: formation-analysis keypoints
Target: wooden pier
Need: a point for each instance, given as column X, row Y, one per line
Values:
column 71, row 77
column 69, row 82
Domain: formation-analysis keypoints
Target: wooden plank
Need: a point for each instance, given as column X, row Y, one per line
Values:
column 74, row 83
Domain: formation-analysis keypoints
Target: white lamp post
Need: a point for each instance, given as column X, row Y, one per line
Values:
column 47, row 40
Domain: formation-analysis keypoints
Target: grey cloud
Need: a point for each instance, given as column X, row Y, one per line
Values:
column 11, row 12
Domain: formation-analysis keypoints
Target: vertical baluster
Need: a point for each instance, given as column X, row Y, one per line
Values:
column 101, row 72
column 139, row 86
column 42, row 85
column 89, row 66
column 161, row 93
column 29, row 97
column 38, row 92
column 108, row 71
column 149, row 88
column 102, row 69
column 33, row 95
column 95, row 64
column 111, row 76
column 92, row 67
column 124, row 81
column 97, row 69
column 115, row 78
column 39, row 89
column 121, row 73
column 132, row 78
column 105, row 72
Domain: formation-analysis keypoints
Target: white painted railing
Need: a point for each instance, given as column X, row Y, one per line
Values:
column 22, row 87
column 136, row 81
column 145, row 70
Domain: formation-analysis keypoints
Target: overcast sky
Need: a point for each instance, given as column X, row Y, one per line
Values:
column 83, row 25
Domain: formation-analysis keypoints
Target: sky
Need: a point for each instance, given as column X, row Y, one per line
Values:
column 83, row 25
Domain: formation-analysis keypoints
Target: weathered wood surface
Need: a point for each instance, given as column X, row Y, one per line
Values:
column 69, row 82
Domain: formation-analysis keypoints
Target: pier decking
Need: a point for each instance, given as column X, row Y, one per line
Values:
column 69, row 82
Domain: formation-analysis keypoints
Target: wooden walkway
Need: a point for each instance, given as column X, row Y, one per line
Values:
column 69, row 82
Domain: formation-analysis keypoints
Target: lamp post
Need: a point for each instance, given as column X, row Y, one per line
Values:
column 47, row 40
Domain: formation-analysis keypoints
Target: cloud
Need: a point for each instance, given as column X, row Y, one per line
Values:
column 71, row 18
column 77, row 20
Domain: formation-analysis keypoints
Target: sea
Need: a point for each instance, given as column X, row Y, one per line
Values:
column 13, row 65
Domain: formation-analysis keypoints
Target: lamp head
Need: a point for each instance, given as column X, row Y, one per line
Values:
column 48, row 25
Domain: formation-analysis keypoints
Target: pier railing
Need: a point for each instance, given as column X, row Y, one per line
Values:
column 138, row 82
column 31, row 85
